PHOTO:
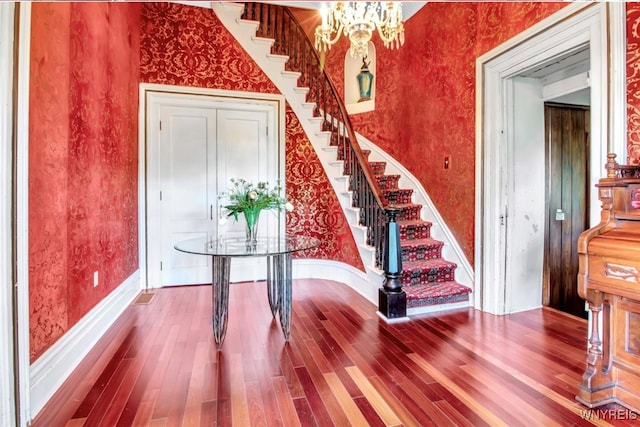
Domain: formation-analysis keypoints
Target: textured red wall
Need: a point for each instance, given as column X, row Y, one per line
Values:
column 188, row 46
column 83, row 130
column 425, row 96
column 633, row 82
column 83, row 176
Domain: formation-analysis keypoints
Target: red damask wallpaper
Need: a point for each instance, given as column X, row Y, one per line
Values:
column 48, row 175
column 633, row 83
column 188, row 46
column 86, row 65
column 83, row 163
column 87, row 60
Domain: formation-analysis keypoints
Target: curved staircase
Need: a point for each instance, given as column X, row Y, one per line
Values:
column 428, row 279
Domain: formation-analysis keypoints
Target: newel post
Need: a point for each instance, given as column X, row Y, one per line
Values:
column 392, row 300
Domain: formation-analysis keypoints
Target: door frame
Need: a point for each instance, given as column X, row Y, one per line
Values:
column 148, row 90
column 8, row 360
column 602, row 26
column 20, row 230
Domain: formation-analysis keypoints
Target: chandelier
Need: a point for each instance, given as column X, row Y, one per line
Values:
column 358, row 20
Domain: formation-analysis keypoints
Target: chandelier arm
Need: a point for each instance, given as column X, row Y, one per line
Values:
column 338, row 32
column 396, row 35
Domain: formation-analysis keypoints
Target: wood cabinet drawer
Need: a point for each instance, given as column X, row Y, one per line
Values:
column 615, row 275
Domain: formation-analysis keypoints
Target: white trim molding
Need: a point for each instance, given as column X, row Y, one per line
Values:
column 573, row 27
column 8, row 416
column 58, row 362
column 617, row 30
column 22, row 212
column 337, row 271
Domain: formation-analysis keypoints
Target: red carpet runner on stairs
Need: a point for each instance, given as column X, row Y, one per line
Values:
column 427, row 278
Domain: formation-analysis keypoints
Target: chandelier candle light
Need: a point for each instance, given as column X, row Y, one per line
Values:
column 250, row 199
column 358, row 20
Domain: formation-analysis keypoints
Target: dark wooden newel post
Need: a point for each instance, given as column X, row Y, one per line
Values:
column 392, row 300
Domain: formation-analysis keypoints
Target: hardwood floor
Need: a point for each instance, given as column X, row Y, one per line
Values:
column 342, row 366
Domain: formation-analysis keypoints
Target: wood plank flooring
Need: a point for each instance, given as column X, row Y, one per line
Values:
column 157, row 366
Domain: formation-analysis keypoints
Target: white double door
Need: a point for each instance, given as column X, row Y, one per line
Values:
column 195, row 145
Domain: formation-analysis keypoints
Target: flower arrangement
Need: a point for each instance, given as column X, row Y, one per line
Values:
column 244, row 196
column 249, row 199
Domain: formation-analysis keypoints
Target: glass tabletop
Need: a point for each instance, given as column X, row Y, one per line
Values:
column 238, row 246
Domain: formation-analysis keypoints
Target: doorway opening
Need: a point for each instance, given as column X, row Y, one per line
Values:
column 513, row 82
column 567, row 211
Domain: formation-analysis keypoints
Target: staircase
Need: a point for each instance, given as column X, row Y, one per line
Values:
column 428, row 280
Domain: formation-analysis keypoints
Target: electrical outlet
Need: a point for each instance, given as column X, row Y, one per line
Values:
column 95, row 279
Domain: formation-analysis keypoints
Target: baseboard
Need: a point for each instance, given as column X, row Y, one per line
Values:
column 392, row 320
column 52, row 368
column 339, row 272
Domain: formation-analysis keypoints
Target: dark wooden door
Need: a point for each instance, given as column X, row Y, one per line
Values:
column 567, row 141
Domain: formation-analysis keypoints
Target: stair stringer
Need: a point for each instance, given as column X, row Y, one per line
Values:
column 365, row 283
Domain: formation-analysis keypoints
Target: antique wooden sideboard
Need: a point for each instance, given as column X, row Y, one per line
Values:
column 609, row 279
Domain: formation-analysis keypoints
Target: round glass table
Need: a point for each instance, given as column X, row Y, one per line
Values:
column 277, row 250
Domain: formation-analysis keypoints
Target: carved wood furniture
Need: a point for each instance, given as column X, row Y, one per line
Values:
column 609, row 279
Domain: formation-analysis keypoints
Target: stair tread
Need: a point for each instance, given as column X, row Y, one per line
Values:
column 407, row 205
column 436, row 293
column 397, row 190
column 413, row 243
column 450, row 286
column 410, row 222
column 427, row 264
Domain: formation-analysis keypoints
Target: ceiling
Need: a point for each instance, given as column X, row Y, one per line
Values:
column 408, row 8
column 560, row 69
column 575, row 62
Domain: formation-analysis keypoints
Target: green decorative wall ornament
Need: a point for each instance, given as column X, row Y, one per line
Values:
column 365, row 81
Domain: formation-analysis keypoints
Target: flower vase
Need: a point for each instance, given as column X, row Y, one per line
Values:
column 251, row 217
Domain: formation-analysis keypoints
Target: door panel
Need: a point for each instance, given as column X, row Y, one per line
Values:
column 243, row 144
column 187, row 168
column 567, row 209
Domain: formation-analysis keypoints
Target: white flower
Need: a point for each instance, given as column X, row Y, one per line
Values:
column 253, row 195
column 222, row 220
column 288, row 207
column 232, row 192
